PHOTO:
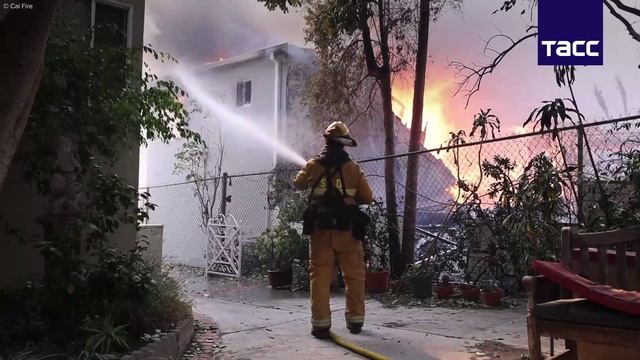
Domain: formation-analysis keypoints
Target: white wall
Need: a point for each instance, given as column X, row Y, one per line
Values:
column 178, row 210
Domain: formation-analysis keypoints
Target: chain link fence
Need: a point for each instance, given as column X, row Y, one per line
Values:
column 440, row 172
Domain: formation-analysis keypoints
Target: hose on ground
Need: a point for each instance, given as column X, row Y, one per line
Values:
column 357, row 349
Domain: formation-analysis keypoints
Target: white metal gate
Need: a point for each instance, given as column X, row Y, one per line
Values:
column 224, row 246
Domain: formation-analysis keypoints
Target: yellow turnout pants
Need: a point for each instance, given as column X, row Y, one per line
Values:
column 325, row 245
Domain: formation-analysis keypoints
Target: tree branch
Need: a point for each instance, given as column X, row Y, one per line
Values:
column 384, row 36
column 472, row 81
column 368, row 107
column 625, row 7
column 369, row 54
column 634, row 34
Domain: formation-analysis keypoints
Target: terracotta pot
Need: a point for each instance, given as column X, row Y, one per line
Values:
column 377, row 281
column 469, row 292
column 280, row 279
column 444, row 291
column 421, row 286
column 491, row 298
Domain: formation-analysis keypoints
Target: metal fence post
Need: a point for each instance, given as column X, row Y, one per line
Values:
column 223, row 203
column 580, row 165
column 269, row 210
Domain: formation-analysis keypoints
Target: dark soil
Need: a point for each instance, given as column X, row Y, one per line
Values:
column 496, row 350
column 395, row 299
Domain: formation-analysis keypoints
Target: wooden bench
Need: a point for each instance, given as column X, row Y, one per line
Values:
column 589, row 330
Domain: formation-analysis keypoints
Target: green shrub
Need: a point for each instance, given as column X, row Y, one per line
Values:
column 376, row 244
column 104, row 336
column 522, row 224
column 83, row 119
column 109, row 307
column 283, row 243
column 278, row 246
column 166, row 304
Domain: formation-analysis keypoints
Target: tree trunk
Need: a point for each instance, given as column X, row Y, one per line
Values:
column 413, row 161
column 23, row 38
column 390, row 177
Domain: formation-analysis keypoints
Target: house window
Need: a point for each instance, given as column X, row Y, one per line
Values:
column 243, row 94
column 111, row 24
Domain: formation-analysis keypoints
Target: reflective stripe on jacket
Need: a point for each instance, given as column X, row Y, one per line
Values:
column 356, row 185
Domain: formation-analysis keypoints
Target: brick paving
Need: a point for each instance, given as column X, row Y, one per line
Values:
column 206, row 340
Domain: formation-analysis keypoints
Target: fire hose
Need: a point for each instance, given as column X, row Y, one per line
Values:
column 357, row 349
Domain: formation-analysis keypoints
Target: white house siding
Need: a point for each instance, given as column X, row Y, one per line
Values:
column 178, row 210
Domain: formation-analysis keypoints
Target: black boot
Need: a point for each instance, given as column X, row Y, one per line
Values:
column 320, row 333
column 354, row 328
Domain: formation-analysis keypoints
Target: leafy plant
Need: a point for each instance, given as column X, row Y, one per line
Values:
column 489, row 286
column 92, row 107
column 376, row 241
column 277, row 247
column 498, row 242
column 155, row 337
column 165, row 305
column 485, row 122
column 21, row 318
column 202, row 166
column 120, row 276
column 422, row 268
column 105, row 338
column 622, row 171
column 33, row 355
column 546, row 117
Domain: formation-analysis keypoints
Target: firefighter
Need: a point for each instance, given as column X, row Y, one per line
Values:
column 336, row 225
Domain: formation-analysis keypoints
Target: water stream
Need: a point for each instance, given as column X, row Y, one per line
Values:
column 195, row 89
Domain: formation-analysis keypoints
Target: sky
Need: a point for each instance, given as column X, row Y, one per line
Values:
column 197, row 32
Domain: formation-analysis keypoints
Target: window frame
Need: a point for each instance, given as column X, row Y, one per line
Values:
column 243, row 83
column 116, row 4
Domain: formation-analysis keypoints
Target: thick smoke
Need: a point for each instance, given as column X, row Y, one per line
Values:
column 196, row 31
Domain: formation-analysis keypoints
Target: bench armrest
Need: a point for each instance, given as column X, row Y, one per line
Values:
column 540, row 290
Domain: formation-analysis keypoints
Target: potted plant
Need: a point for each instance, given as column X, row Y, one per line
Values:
column 491, row 294
column 290, row 207
column 420, row 277
column 444, row 289
column 377, row 279
column 376, row 245
column 276, row 249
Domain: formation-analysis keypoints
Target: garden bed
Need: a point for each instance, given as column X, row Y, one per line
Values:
column 391, row 300
column 159, row 319
column 169, row 345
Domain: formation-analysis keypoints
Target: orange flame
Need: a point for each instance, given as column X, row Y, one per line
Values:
column 434, row 120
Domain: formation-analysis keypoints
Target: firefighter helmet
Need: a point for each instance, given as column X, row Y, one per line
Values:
column 339, row 132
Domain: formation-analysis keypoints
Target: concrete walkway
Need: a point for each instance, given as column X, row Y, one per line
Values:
column 257, row 322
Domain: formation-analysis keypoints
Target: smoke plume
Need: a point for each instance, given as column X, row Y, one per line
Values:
column 203, row 31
